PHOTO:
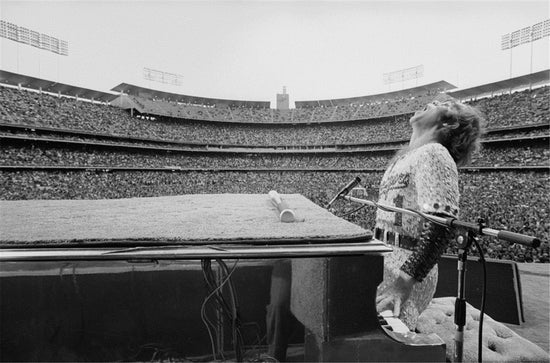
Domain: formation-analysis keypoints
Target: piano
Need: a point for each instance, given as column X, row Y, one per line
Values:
column 334, row 297
column 63, row 300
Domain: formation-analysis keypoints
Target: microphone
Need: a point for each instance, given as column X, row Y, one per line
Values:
column 352, row 184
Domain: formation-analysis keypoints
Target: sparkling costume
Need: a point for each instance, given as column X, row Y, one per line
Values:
column 425, row 179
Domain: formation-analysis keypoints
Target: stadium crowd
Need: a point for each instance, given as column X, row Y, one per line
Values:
column 354, row 109
column 513, row 200
column 521, row 155
column 544, row 130
column 44, row 110
column 359, row 109
column 43, row 156
column 518, row 108
column 525, row 154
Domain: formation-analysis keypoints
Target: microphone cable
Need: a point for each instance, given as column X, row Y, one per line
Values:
column 220, row 304
column 210, row 326
column 353, row 211
column 483, row 293
column 236, row 335
column 483, row 288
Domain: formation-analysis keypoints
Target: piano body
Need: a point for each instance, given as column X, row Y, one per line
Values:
column 336, row 269
column 334, row 297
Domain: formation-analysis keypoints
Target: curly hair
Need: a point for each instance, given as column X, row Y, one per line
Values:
column 461, row 129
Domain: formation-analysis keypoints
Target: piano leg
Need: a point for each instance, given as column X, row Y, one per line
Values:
column 279, row 317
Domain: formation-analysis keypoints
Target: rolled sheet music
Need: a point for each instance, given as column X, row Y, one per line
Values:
column 286, row 214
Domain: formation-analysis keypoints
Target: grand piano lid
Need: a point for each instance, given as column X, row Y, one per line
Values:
column 204, row 219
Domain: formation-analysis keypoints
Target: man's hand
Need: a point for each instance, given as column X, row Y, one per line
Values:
column 395, row 294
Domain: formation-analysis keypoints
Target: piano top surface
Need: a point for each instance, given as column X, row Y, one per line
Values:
column 184, row 219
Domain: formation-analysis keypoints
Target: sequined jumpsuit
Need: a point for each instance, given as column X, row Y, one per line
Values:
column 425, row 179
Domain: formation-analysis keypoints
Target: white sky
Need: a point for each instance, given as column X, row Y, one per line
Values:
column 249, row 50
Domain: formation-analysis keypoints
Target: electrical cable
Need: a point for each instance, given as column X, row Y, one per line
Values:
column 221, row 304
column 235, row 320
column 205, row 264
column 211, row 281
column 353, row 211
column 212, row 284
column 483, row 293
column 234, row 313
column 209, row 328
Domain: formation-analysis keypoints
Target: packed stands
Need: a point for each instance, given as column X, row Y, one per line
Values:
column 34, row 109
column 41, row 152
column 63, row 147
column 47, row 156
column 519, row 108
column 513, row 200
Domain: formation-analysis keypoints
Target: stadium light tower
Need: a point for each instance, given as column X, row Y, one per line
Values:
column 404, row 75
column 35, row 39
column 163, row 77
column 525, row 35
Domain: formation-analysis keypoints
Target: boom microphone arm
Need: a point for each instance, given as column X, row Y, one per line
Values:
column 453, row 222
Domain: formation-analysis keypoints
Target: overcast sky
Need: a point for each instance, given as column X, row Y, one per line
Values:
column 249, row 50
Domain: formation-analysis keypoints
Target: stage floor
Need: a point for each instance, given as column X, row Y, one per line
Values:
column 535, row 285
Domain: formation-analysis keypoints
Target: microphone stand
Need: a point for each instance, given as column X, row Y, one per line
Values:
column 464, row 245
column 472, row 232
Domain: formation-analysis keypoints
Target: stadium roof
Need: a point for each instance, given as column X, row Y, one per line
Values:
column 16, row 79
column 439, row 86
column 541, row 77
column 150, row 93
